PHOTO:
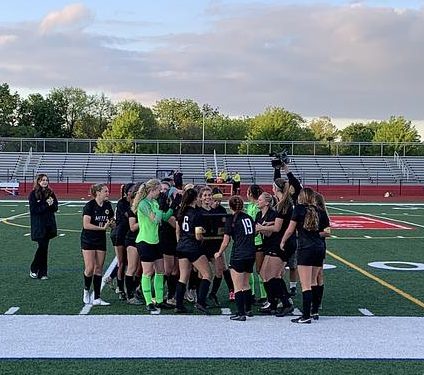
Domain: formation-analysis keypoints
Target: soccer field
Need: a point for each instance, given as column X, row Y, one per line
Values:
column 374, row 269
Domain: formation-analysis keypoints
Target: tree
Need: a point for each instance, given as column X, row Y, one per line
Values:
column 275, row 124
column 9, row 103
column 323, row 129
column 132, row 122
column 72, row 104
column 396, row 130
column 359, row 132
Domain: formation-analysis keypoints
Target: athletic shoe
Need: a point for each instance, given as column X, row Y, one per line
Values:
column 280, row 305
column 189, row 295
column 265, row 305
column 171, row 301
column 134, row 301
column 315, row 316
column 44, row 277
column 86, row 298
column 231, row 296
column 164, row 305
column 122, row 296
column 201, row 308
column 302, row 320
column 249, row 314
column 293, row 291
column 117, row 290
column 240, row 318
column 33, row 275
column 214, row 300
column 180, row 310
column 288, row 310
column 100, row 302
column 151, row 307
column 260, row 301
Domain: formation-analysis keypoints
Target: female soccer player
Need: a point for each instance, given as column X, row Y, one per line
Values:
column 118, row 236
column 149, row 217
column 97, row 217
column 272, row 225
column 42, row 206
column 241, row 228
column 307, row 219
column 189, row 234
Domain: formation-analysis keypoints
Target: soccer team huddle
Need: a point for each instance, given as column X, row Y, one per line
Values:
column 177, row 235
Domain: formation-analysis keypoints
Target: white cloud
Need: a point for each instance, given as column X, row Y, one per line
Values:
column 350, row 62
column 70, row 15
column 4, row 39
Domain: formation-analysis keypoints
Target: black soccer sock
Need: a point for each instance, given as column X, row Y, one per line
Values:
column 240, row 297
column 172, row 285
column 317, row 292
column 120, row 283
column 215, row 285
column 270, row 294
column 307, row 299
column 137, row 282
column 283, row 293
column 320, row 294
column 87, row 282
column 97, row 284
column 248, row 299
column 129, row 283
column 194, row 281
column 179, row 294
column 114, row 272
column 203, row 292
column 229, row 280
column 275, row 293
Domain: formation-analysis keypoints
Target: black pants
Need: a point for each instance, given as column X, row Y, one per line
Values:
column 39, row 264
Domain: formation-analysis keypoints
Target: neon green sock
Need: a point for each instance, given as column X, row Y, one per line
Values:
column 146, row 288
column 261, row 287
column 158, row 283
column 252, row 283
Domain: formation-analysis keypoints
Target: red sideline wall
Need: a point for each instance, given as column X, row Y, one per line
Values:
column 332, row 193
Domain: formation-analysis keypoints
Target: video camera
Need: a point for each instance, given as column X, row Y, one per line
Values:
column 279, row 159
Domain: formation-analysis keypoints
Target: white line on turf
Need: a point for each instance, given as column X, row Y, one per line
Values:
column 367, row 237
column 366, row 312
column 87, row 308
column 12, row 310
column 225, row 311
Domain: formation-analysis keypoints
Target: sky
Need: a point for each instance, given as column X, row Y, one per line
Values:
column 342, row 59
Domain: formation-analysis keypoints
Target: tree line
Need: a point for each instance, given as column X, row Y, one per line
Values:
column 70, row 112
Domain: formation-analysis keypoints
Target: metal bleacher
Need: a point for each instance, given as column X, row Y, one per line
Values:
column 72, row 167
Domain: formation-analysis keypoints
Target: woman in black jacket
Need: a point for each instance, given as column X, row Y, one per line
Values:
column 42, row 206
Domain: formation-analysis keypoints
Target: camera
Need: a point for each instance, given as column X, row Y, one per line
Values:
column 279, row 159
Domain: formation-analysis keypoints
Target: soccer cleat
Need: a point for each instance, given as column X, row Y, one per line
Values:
column 260, row 301
column 265, row 305
column 110, row 283
column 237, row 317
column 122, row 296
column 100, row 302
column 188, row 296
column 164, row 305
column 117, row 290
column 232, row 296
column 151, row 307
column 33, row 275
column 214, row 300
column 86, row 298
column 201, row 308
column 171, row 301
column 288, row 310
column 293, row 291
column 249, row 314
column 134, row 301
column 302, row 320
column 45, row 277
column 315, row 316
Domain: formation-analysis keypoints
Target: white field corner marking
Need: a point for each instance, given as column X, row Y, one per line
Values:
column 365, row 312
column 12, row 310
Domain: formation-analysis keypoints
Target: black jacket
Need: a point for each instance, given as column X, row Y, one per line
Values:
column 43, row 221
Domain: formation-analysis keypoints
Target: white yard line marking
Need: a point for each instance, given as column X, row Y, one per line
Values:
column 367, row 237
column 27, row 234
column 370, row 215
column 87, row 308
column 62, row 234
column 400, row 237
column 11, row 311
column 366, row 312
column 225, row 311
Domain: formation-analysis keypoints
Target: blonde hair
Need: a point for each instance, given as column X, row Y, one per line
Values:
column 143, row 191
column 267, row 197
column 95, row 188
column 307, row 198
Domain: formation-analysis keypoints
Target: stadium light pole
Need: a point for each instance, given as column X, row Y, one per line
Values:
column 203, row 131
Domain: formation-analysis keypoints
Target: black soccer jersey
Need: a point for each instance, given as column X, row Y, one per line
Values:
column 241, row 228
column 122, row 213
column 131, row 236
column 309, row 239
column 187, row 242
column 271, row 242
column 99, row 215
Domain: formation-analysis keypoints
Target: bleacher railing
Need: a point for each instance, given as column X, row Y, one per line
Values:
column 223, row 147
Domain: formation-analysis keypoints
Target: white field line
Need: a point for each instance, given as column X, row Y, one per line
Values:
column 379, row 217
column 87, row 308
column 24, row 214
column 385, row 222
column 12, row 310
column 366, row 312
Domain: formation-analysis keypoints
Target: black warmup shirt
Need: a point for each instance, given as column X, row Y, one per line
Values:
column 242, row 231
column 191, row 219
column 309, row 239
column 99, row 215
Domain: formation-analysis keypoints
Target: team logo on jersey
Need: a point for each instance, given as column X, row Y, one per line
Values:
column 107, row 212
